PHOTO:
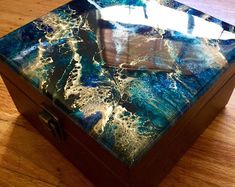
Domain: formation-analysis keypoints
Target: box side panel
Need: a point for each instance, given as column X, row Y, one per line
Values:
column 169, row 155
column 70, row 147
column 79, row 147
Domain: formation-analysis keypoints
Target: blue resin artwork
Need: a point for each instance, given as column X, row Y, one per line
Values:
column 125, row 71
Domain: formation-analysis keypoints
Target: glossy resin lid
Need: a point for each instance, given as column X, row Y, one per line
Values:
column 124, row 70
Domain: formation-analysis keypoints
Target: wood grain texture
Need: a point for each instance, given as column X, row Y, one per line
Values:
column 27, row 159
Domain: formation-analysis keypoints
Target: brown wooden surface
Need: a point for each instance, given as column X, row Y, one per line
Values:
column 27, row 159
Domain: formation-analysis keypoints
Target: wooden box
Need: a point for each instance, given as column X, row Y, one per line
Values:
column 121, row 88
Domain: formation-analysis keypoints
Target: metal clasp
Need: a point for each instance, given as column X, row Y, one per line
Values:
column 51, row 122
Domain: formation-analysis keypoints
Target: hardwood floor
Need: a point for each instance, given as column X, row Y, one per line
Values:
column 27, row 159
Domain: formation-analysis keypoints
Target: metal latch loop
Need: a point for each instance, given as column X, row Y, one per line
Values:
column 51, row 122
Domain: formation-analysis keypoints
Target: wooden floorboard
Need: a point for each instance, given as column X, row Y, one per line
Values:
column 27, row 159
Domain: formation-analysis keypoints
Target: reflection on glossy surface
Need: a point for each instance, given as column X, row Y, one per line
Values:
column 170, row 19
column 124, row 70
